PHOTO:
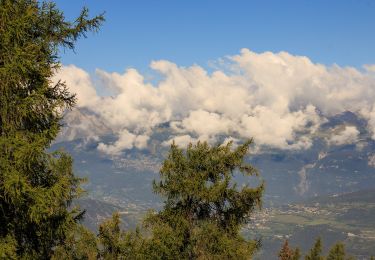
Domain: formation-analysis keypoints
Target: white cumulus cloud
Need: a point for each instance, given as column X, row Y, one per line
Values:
column 279, row 99
column 79, row 82
column 125, row 141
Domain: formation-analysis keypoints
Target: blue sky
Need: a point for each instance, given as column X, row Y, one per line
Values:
column 196, row 31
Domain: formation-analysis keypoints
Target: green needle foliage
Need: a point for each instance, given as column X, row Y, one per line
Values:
column 204, row 209
column 203, row 213
column 80, row 243
column 117, row 244
column 36, row 187
column 316, row 251
column 337, row 252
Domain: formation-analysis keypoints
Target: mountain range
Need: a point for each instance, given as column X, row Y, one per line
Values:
column 290, row 175
column 326, row 189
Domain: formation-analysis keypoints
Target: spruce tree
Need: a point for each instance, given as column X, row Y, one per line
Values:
column 117, row 244
column 110, row 236
column 287, row 253
column 337, row 252
column 316, row 251
column 36, row 186
column 204, row 209
column 297, row 254
column 80, row 243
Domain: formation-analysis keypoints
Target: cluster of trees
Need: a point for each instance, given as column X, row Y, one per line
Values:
column 203, row 211
column 202, row 215
column 337, row 252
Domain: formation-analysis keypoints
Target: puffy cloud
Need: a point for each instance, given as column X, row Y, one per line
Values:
column 137, row 105
column 126, row 140
column 79, row 82
column 205, row 125
column 344, row 135
column 180, row 140
column 278, row 98
column 278, row 129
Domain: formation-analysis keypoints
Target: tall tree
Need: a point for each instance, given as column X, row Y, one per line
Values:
column 117, row 244
column 337, row 252
column 287, row 253
column 204, row 208
column 80, row 243
column 36, row 187
column 297, row 254
column 316, row 251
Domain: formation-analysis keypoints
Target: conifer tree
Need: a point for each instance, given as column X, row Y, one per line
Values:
column 204, row 209
column 80, row 243
column 337, row 252
column 117, row 244
column 36, row 187
column 287, row 253
column 110, row 236
column 315, row 252
column 297, row 254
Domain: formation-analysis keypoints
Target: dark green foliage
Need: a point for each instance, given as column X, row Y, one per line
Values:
column 315, row 252
column 204, row 210
column 79, row 243
column 110, row 236
column 297, row 254
column 8, row 248
column 36, row 187
column 337, row 252
column 117, row 244
column 198, row 184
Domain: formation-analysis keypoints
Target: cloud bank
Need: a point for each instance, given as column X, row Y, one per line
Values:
column 279, row 99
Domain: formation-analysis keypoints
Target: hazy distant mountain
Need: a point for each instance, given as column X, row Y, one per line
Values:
column 320, row 191
column 82, row 124
column 97, row 211
column 290, row 175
